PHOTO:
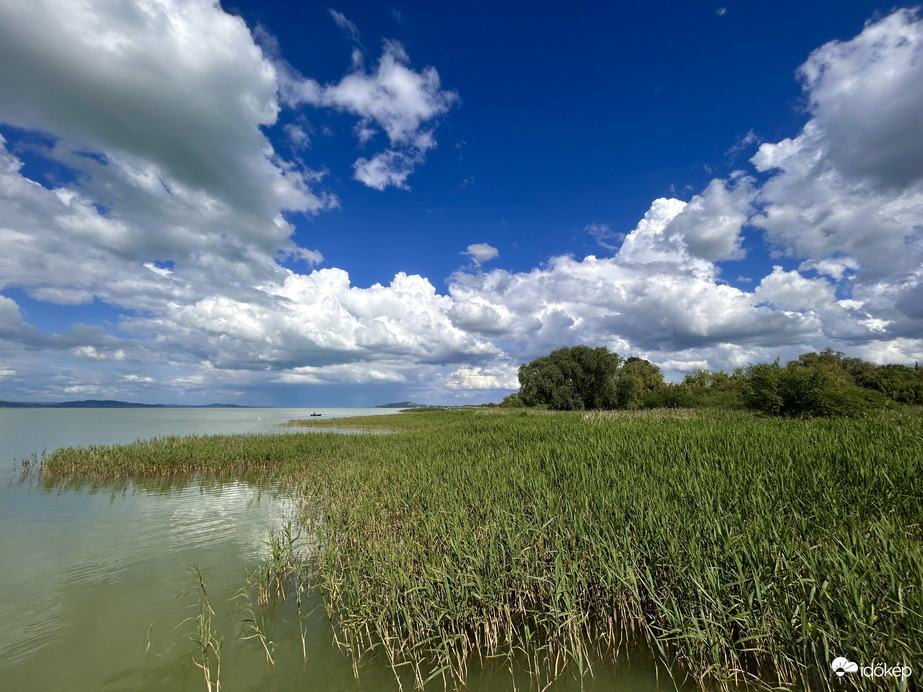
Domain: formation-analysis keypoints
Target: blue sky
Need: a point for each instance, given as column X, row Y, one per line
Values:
column 307, row 204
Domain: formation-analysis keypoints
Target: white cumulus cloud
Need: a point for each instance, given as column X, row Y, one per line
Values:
column 175, row 219
column 387, row 169
column 851, row 183
column 170, row 94
column 481, row 252
column 481, row 378
column 394, row 99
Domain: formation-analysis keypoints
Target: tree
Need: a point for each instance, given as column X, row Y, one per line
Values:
column 637, row 380
column 899, row 382
column 580, row 377
column 851, row 370
column 571, row 378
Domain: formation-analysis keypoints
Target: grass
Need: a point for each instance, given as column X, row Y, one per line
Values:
column 742, row 549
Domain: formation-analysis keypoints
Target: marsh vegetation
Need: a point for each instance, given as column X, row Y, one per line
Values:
column 738, row 548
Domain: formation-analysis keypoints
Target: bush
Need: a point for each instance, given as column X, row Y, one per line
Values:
column 512, row 401
column 671, row 396
column 805, row 390
column 761, row 388
column 898, row 382
column 704, row 389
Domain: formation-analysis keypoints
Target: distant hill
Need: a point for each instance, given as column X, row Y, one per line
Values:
column 104, row 403
column 402, row 404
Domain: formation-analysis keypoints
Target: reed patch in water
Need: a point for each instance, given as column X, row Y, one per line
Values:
column 742, row 549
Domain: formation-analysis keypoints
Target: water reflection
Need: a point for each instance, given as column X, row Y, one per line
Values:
column 90, row 568
column 98, row 594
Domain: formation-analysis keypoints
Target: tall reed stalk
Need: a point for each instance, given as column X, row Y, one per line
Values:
column 208, row 644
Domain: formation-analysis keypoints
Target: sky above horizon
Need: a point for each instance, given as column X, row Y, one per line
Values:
column 303, row 204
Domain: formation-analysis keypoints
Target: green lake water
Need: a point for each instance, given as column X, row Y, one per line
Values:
column 96, row 584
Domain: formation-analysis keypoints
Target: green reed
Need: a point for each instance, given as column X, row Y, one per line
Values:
column 208, row 644
column 742, row 549
column 280, row 579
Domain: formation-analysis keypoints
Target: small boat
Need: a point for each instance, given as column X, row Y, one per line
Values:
column 316, row 414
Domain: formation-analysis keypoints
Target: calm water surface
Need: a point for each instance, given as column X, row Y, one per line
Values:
column 96, row 583
column 24, row 431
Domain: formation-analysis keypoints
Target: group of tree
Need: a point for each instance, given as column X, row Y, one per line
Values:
column 580, row 377
column 816, row 384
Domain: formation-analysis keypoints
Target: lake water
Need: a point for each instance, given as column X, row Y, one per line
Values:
column 24, row 431
column 96, row 584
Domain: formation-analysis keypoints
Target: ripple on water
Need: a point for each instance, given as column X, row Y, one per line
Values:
column 87, row 570
column 31, row 624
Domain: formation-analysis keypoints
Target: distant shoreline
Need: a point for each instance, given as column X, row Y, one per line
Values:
column 108, row 403
column 112, row 403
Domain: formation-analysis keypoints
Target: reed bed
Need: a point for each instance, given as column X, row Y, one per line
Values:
column 741, row 549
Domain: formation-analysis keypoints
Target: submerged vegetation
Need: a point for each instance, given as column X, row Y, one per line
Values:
column 740, row 548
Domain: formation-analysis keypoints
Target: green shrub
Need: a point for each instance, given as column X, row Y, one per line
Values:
column 512, row 401
column 762, row 388
column 806, row 390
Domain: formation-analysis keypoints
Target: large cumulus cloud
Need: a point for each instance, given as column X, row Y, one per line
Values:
column 173, row 216
column 844, row 198
column 654, row 297
column 846, row 194
column 155, row 99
